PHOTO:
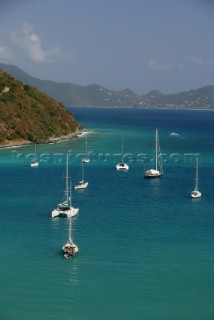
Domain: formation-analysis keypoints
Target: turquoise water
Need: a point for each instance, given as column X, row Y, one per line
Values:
column 146, row 249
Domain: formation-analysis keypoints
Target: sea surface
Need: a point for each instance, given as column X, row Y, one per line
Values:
column 146, row 249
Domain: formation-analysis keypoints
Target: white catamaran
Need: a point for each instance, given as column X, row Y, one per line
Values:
column 69, row 249
column 34, row 162
column 158, row 171
column 82, row 184
column 195, row 194
column 122, row 166
column 65, row 208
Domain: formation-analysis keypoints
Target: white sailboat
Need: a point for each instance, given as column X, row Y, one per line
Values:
column 82, row 184
column 86, row 159
column 195, row 194
column 122, row 166
column 34, row 162
column 65, row 208
column 69, row 249
column 158, row 171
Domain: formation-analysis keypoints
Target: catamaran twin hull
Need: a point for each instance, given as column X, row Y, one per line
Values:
column 71, row 212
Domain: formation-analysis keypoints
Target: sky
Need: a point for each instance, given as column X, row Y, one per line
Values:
column 143, row 45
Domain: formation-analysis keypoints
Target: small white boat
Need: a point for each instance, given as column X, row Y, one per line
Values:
column 86, row 158
column 82, row 184
column 122, row 166
column 65, row 208
column 158, row 171
column 69, row 249
column 195, row 194
column 34, row 162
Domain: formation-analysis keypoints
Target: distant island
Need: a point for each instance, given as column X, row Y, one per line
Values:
column 95, row 95
column 30, row 116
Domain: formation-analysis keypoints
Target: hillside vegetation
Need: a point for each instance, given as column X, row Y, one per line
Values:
column 28, row 115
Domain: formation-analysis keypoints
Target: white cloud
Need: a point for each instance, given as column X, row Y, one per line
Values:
column 31, row 43
column 159, row 66
column 5, row 53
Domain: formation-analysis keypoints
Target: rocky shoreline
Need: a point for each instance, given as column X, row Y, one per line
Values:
column 23, row 142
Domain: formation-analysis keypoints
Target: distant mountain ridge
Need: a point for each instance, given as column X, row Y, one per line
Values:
column 95, row 95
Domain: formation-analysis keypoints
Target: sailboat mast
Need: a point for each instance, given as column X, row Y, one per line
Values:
column 156, row 150
column 196, row 176
column 82, row 171
column 122, row 149
column 67, row 179
column 86, row 148
column 69, row 230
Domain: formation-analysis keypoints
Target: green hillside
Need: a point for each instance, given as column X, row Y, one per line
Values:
column 28, row 115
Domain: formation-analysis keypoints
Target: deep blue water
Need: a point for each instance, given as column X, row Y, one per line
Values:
column 146, row 249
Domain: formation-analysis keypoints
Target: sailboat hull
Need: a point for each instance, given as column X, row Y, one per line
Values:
column 34, row 164
column 152, row 174
column 70, row 250
column 122, row 166
column 86, row 160
column 195, row 194
column 81, row 185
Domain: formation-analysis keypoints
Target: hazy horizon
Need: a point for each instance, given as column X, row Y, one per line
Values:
column 141, row 45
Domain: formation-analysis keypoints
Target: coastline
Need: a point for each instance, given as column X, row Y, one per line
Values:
column 23, row 142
